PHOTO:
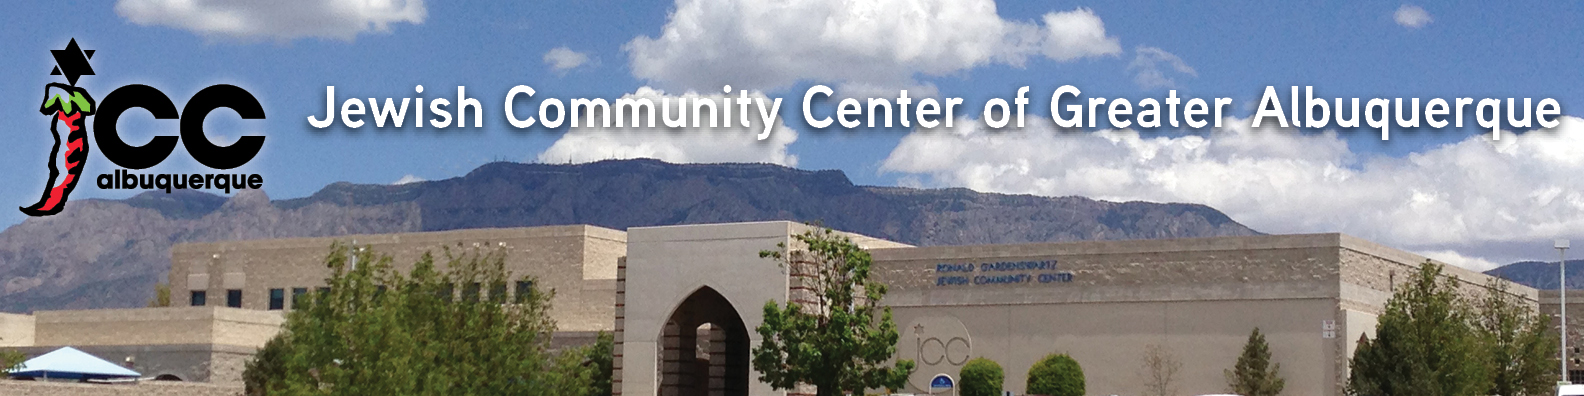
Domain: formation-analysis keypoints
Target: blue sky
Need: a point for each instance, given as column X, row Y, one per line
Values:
column 1351, row 49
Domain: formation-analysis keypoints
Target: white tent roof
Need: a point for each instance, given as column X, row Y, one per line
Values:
column 70, row 363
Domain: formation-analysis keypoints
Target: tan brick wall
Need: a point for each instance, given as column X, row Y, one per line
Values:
column 156, row 326
column 1286, row 266
column 149, row 388
column 578, row 262
column 16, row 329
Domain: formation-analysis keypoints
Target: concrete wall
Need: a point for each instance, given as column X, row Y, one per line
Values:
column 16, row 329
column 154, row 388
column 667, row 264
column 157, row 326
column 218, row 364
column 1196, row 298
column 577, row 261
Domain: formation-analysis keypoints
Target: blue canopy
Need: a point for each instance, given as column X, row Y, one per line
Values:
column 70, row 363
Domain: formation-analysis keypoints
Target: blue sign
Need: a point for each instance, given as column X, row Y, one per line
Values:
column 942, row 381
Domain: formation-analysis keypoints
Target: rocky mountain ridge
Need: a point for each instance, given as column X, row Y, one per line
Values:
column 110, row 253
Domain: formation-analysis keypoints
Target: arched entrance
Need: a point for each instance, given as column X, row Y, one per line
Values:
column 704, row 348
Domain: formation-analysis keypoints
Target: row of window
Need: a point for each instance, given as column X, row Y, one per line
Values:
column 277, row 297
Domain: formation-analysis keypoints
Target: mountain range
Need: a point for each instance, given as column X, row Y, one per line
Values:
column 110, row 253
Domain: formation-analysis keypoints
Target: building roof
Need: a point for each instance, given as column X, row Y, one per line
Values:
column 70, row 363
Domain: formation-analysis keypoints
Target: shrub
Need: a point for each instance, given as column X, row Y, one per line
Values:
column 981, row 377
column 1056, row 375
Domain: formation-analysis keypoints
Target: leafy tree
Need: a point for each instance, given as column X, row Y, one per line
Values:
column 836, row 343
column 10, row 358
column 1521, row 346
column 263, row 374
column 1160, row 371
column 162, row 296
column 1254, row 375
column 1056, row 375
column 598, row 357
column 1424, row 344
column 377, row 331
column 981, row 377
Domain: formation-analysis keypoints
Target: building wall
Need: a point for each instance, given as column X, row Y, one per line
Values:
column 665, row 265
column 209, row 363
column 156, row 388
column 1197, row 299
column 578, row 262
column 16, row 329
column 156, row 326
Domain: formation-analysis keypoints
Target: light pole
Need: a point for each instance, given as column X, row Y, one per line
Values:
column 1562, row 247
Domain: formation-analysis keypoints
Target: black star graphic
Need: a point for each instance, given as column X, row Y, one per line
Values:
column 72, row 61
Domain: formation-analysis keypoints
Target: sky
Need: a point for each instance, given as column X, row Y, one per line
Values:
column 1452, row 194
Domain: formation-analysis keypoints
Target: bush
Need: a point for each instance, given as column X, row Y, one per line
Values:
column 1056, row 375
column 981, row 377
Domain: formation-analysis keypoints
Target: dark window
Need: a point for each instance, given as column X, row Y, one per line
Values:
column 234, row 298
column 447, row 292
column 324, row 291
column 277, row 299
column 470, row 292
column 498, row 292
column 524, row 289
column 199, row 298
column 379, row 291
column 297, row 296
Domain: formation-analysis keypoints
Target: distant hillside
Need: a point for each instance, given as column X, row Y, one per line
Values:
column 104, row 253
column 1541, row 275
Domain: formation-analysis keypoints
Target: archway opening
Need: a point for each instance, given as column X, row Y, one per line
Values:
column 704, row 348
column 167, row 377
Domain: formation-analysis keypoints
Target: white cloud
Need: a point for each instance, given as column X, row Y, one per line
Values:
column 275, row 19
column 561, row 59
column 771, row 44
column 407, row 179
column 1458, row 259
column 1412, row 16
column 678, row 145
column 1147, row 63
column 1473, row 202
column 1077, row 34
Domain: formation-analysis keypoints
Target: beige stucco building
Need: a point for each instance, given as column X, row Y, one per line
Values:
column 683, row 302
column 686, row 294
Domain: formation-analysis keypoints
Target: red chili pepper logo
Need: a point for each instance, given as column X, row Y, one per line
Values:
column 68, row 107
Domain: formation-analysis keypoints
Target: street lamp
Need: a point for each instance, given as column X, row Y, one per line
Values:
column 1562, row 247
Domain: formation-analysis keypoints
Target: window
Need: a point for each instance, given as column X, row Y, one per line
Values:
column 234, row 298
column 199, row 297
column 277, row 299
column 470, row 293
column 447, row 292
column 297, row 296
column 524, row 289
column 498, row 292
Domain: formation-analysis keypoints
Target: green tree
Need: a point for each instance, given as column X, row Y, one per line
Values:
column 1424, row 344
column 598, row 357
column 10, row 359
column 262, row 375
column 1521, row 346
column 837, row 343
column 981, row 377
column 162, row 296
column 1056, row 375
column 1254, row 375
column 377, row 331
